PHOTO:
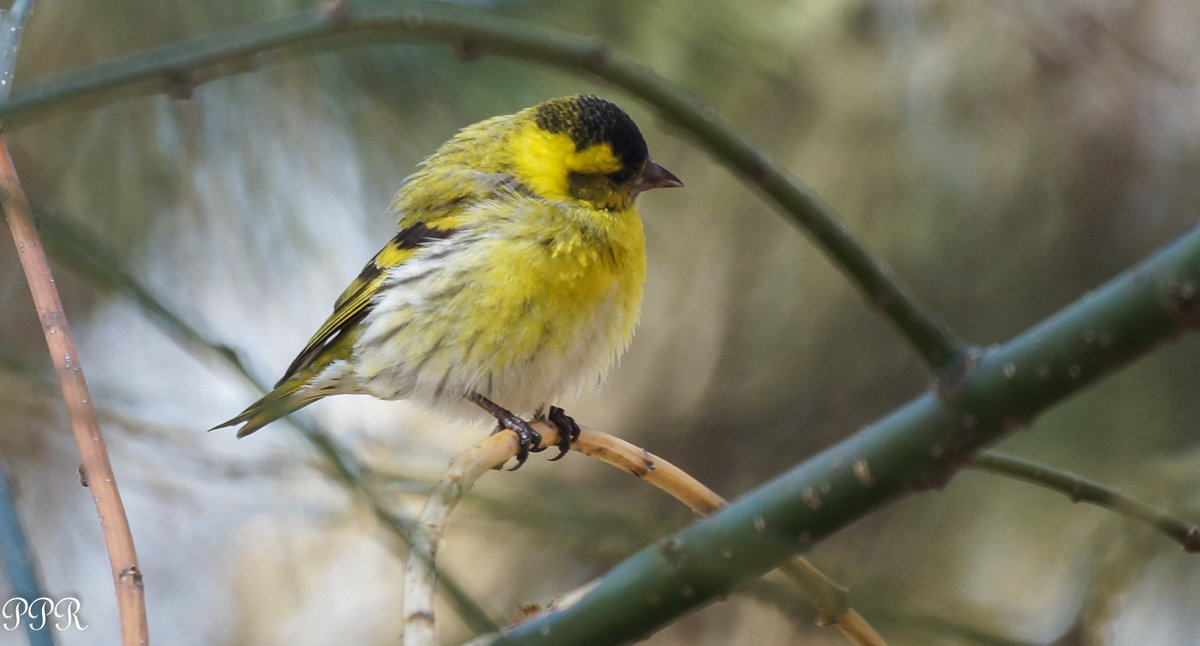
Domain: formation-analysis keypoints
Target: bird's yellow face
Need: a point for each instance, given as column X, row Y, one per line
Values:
column 584, row 149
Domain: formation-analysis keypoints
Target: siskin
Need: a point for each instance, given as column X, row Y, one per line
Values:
column 516, row 275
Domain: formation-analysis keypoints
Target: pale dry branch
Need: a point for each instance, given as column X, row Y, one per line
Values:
column 420, row 579
column 420, row 575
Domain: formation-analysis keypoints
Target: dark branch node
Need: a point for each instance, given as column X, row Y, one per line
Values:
column 466, row 49
column 181, row 84
column 599, row 55
column 1181, row 297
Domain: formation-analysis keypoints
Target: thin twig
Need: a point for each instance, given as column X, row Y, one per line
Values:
column 419, row 580
column 179, row 68
column 420, row 575
column 1081, row 489
column 96, row 468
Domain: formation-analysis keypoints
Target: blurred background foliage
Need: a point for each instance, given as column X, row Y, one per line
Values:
column 1004, row 156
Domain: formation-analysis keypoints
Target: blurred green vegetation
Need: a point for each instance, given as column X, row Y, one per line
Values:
column 1003, row 157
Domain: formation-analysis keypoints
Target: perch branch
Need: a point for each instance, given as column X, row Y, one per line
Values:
column 419, row 580
column 420, row 575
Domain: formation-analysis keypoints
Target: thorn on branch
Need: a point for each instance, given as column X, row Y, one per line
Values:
column 648, row 462
column 673, row 552
column 528, row 609
column 1191, row 540
column 599, row 55
column 760, row 171
column 1181, row 297
column 133, row 575
column 862, row 473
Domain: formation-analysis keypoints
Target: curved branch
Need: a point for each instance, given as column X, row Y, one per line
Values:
column 1080, row 489
column 419, row 575
column 178, row 68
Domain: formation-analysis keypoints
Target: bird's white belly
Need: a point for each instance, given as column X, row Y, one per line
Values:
column 428, row 339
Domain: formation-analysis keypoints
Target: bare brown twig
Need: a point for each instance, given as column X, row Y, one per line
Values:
column 96, row 469
column 419, row 580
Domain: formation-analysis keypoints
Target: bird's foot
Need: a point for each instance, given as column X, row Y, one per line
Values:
column 528, row 440
column 568, row 430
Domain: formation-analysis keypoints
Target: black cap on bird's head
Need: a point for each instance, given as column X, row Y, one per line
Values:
column 590, row 120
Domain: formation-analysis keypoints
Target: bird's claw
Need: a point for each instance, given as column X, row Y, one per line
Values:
column 528, row 440
column 568, row 430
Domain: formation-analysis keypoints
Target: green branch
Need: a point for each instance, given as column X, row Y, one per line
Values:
column 1080, row 489
column 918, row 446
column 12, row 28
column 178, row 68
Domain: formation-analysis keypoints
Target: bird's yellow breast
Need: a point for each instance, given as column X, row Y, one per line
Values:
column 532, row 299
column 553, row 290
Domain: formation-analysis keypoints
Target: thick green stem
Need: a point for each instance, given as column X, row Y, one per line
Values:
column 918, row 446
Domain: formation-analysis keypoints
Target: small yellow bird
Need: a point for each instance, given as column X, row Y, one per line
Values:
column 516, row 275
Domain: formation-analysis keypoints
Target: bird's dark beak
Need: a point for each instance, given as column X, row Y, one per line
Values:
column 654, row 176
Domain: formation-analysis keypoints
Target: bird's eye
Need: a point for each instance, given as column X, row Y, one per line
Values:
column 622, row 176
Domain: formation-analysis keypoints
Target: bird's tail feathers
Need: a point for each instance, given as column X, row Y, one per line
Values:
column 287, row 398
